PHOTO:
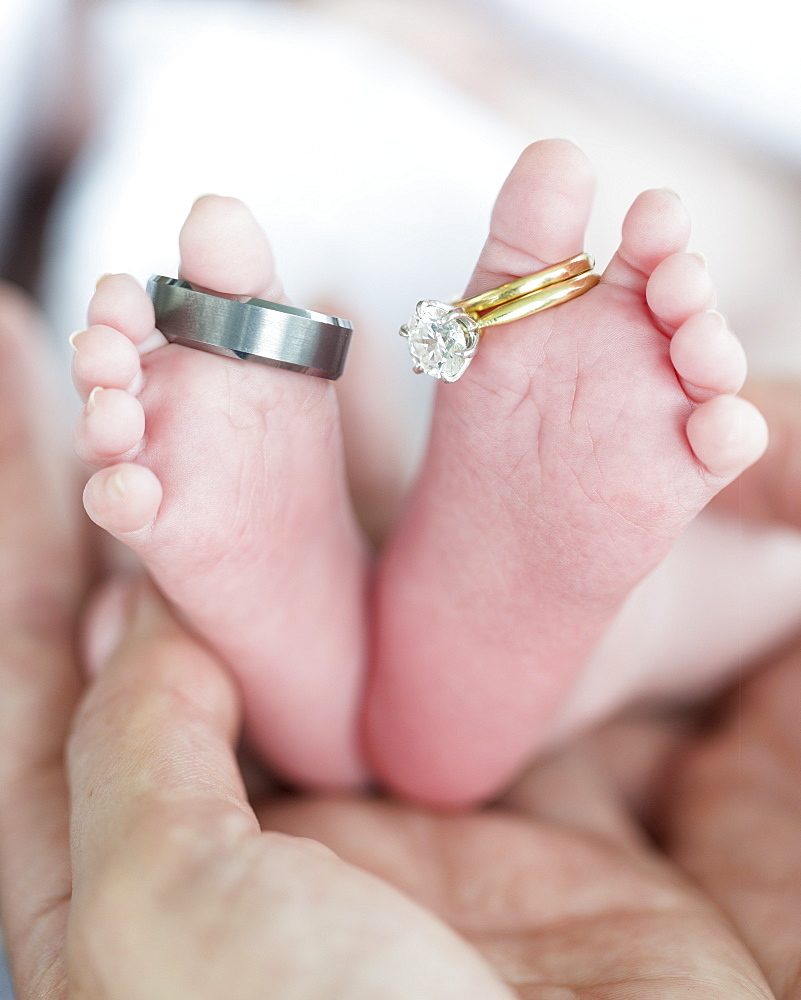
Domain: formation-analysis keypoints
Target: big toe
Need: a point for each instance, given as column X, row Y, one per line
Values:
column 224, row 249
column 539, row 216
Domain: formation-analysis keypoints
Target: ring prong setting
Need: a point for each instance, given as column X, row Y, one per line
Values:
column 443, row 337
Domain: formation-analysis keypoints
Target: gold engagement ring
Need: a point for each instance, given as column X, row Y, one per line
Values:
column 443, row 337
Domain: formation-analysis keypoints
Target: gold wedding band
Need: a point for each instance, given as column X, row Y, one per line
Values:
column 532, row 284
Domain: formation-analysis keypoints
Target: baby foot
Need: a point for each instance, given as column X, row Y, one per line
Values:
column 561, row 468
column 227, row 478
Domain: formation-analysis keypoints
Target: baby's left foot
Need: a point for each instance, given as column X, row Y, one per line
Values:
column 561, row 468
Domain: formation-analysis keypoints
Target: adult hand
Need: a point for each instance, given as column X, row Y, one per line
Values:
column 176, row 892
column 137, row 869
column 44, row 571
column 732, row 817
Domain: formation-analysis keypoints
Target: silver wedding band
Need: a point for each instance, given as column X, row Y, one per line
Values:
column 252, row 330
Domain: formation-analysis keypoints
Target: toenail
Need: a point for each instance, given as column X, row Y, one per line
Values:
column 105, row 274
column 200, row 197
column 702, row 258
column 671, row 191
column 115, row 487
column 719, row 317
column 73, row 337
column 91, row 402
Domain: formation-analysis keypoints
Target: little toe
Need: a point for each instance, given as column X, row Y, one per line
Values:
column 679, row 287
column 110, row 426
column 104, row 357
column 224, row 249
column 124, row 500
column 121, row 303
column 727, row 434
column 656, row 226
column 708, row 357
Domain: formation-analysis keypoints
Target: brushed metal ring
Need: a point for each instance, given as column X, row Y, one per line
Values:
column 270, row 333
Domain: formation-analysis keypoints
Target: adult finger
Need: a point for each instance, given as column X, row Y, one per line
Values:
column 733, row 819
column 768, row 491
column 157, row 796
column 169, row 860
column 151, row 757
column 573, row 788
column 42, row 579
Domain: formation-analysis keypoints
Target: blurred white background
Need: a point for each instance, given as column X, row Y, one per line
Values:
column 371, row 138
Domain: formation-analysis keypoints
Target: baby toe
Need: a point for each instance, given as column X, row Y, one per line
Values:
column 707, row 356
column 679, row 287
column 656, row 226
column 112, row 424
column 104, row 357
column 224, row 248
column 121, row 302
column 727, row 434
column 123, row 499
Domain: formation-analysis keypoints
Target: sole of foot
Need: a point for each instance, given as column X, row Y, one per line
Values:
column 227, row 479
column 560, row 469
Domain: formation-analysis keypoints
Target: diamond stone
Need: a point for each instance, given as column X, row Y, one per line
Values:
column 442, row 339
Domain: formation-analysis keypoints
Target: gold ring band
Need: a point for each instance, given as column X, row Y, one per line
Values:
column 443, row 337
column 526, row 305
column 556, row 273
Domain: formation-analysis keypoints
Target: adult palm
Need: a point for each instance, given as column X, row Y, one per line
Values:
column 556, row 888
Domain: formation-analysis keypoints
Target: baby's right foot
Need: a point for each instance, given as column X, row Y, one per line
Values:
column 227, row 478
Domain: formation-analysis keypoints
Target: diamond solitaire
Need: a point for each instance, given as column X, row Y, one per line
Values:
column 442, row 339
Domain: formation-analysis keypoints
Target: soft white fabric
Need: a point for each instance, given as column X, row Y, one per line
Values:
column 357, row 161
column 734, row 66
column 372, row 176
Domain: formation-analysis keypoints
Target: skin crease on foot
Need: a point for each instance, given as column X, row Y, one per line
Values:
column 540, row 501
column 212, row 470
